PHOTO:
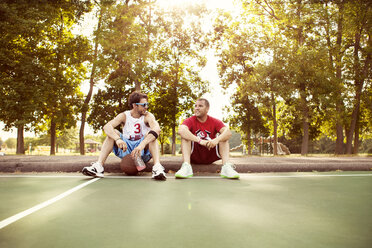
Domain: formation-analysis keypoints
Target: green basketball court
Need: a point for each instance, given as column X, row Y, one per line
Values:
column 259, row 210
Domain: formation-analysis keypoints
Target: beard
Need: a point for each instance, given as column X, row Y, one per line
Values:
column 142, row 112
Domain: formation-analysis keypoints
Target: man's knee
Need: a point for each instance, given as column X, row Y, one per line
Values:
column 224, row 145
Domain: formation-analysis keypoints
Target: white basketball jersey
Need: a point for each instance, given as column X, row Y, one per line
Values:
column 134, row 128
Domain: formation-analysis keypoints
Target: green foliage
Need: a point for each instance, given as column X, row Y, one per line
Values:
column 22, row 77
column 178, row 54
column 41, row 63
column 107, row 104
column 247, row 119
column 11, row 143
column 99, row 138
column 304, row 65
column 290, row 54
column 124, row 41
column 65, row 139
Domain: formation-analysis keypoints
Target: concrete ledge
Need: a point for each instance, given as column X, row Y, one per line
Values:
column 17, row 163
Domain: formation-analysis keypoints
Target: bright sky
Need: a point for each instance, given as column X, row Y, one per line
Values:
column 216, row 97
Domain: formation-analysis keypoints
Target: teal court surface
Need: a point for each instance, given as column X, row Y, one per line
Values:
column 329, row 209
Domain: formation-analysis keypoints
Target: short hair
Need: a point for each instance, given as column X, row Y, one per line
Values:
column 205, row 101
column 135, row 97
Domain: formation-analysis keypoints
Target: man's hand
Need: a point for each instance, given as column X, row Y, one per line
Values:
column 203, row 142
column 207, row 144
column 136, row 151
column 121, row 144
column 211, row 144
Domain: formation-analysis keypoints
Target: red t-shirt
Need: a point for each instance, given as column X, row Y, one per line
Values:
column 205, row 130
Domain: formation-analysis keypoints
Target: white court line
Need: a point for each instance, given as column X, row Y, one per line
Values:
column 41, row 176
column 299, row 176
column 29, row 211
column 170, row 176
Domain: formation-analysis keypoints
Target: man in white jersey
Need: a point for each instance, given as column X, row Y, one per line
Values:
column 139, row 136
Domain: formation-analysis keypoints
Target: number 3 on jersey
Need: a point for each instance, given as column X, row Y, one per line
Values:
column 137, row 128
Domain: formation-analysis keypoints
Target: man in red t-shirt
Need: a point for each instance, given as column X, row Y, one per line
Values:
column 200, row 143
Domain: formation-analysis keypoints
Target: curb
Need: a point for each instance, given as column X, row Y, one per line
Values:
column 19, row 164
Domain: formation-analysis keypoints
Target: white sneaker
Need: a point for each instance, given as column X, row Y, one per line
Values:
column 228, row 171
column 95, row 170
column 185, row 171
column 158, row 172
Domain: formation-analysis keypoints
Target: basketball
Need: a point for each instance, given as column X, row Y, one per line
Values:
column 128, row 166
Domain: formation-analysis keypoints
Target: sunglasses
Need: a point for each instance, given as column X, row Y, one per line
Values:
column 146, row 104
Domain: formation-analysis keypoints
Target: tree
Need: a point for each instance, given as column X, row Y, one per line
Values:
column 241, row 45
column 272, row 50
column 247, row 118
column 107, row 104
column 124, row 41
column 64, row 56
column 22, row 76
column 345, row 29
column 65, row 139
column 178, row 59
column 359, row 31
column 297, row 24
column 97, row 68
column 333, row 37
column 11, row 143
column 41, row 56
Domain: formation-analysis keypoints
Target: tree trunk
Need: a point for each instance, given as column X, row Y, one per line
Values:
column 305, row 139
column 359, row 76
column 53, row 137
column 91, row 85
column 20, row 140
column 81, row 133
column 302, row 89
column 356, row 137
column 174, row 139
column 354, row 117
column 339, row 133
column 339, row 102
column 305, row 127
column 174, row 112
column 336, row 66
column 359, row 85
column 137, row 85
column 275, row 126
column 249, row 142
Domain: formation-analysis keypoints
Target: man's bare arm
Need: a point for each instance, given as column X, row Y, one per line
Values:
column 110, row 130
column 185, row 133
column 225, row 134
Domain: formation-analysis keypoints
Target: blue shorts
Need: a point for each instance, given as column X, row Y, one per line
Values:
column 131, row 144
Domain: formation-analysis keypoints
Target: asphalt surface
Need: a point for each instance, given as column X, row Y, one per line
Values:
column 245, row 164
